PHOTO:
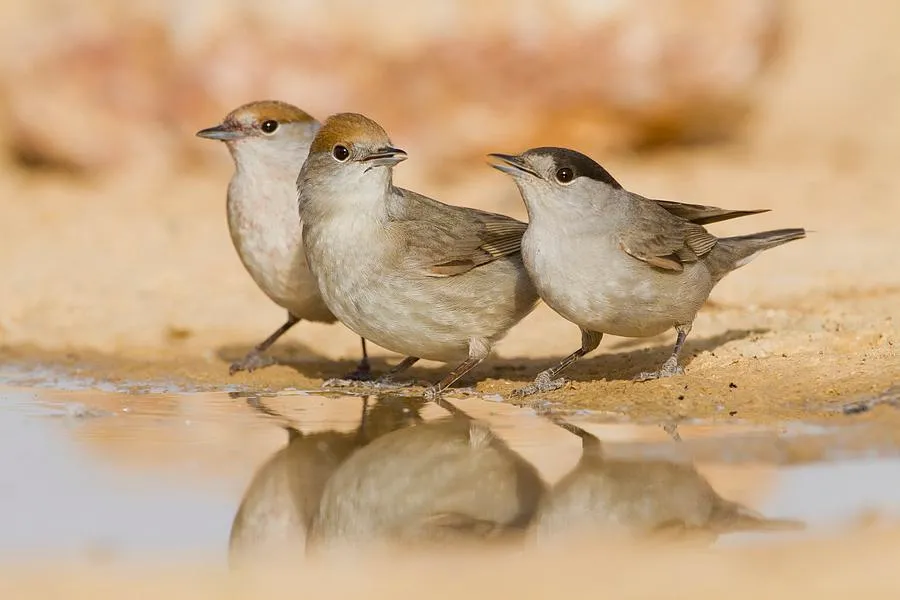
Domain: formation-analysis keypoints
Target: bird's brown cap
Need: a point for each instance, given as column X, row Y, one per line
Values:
column 349, row 129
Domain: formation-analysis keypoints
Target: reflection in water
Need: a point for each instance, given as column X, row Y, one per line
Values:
column 454, row 480
column 447, row 480
column 641, row 497
column 279, row 504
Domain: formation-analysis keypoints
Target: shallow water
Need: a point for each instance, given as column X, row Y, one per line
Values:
column 92, row 471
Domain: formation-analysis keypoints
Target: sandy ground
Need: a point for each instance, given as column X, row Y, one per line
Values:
column 861, row 565
column 136, row 279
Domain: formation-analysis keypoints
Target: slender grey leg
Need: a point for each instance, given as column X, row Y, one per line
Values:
column 547, row 380
column 363, row 371
column 669, row 368
column 361, row 430
column 388, row 378
column 479, row 349
column 255, row 359
column 434, row 392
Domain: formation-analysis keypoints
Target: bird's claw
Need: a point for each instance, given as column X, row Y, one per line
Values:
column 542, row 383
column 671, row 428
column 338, row 382
column 254, row 360
column 382, row 383
column 667, row 370
column 363, row 372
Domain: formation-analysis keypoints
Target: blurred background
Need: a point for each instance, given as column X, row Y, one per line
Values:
column 113, row 234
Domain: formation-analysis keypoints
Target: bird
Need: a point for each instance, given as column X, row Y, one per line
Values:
column 268, row 141
column 640, row 497
column 614, row 262
column 413, row 275
column 447, row 480
column 278, row 506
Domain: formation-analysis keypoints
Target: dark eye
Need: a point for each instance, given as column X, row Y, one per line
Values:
column 269, row 126
column 340, row 153
column 565, row 175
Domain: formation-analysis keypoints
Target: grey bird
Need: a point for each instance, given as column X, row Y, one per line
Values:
column 640, row 498
column 277, row 509
column 449, row 480
column 612, row 261
column 416, row 276
column 268, row 141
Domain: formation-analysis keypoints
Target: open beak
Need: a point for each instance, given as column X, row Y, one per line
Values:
column 384, row 157
column 511, row 165
column 222, row 132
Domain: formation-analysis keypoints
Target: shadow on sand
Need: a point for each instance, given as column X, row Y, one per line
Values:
column 612, row 366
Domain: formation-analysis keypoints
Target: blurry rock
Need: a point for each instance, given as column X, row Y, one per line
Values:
column 101, row 86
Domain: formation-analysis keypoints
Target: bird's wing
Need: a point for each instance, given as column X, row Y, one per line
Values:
column 444, row 240
column 661, row 239
column 703, row 215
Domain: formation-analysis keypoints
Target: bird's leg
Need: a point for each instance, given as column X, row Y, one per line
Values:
column 670, row 367
column 547, row 381
column 255, row 359
column 386, row 381
column 671, row 427
column 388, row 378
column 361, row 430
column 479, row 350
column 363, row 371
column 434, row 392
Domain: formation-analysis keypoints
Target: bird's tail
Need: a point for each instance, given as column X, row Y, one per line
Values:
column 732, row 517
column 737, row 251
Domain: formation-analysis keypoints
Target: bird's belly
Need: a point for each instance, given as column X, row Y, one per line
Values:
column 617, row 298
column 281, row 272
column 401, row 309
column 398, row 317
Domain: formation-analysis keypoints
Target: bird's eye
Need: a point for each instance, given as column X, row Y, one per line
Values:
column 565, row 175
column 269, row 126
column 340, row 153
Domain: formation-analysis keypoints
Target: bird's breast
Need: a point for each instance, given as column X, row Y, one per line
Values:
column 592, row 283
column 268, row 240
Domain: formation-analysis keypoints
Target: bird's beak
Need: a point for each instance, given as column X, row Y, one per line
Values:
column 223, row 132
column 384, row 157
column 512, row 165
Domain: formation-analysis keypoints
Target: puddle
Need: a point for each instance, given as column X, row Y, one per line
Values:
column 113, row 475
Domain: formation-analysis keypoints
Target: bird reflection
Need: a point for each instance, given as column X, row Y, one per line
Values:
column 283, row 496
column 640, row 498
column 453, row 480
column 448, row 480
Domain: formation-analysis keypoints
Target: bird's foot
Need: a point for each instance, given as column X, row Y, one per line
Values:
column 382, row 383
column 362, row 372
column 669, row 369
column 544, row 382
column 671, row 428
column 254, row 360
column 432, row 393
